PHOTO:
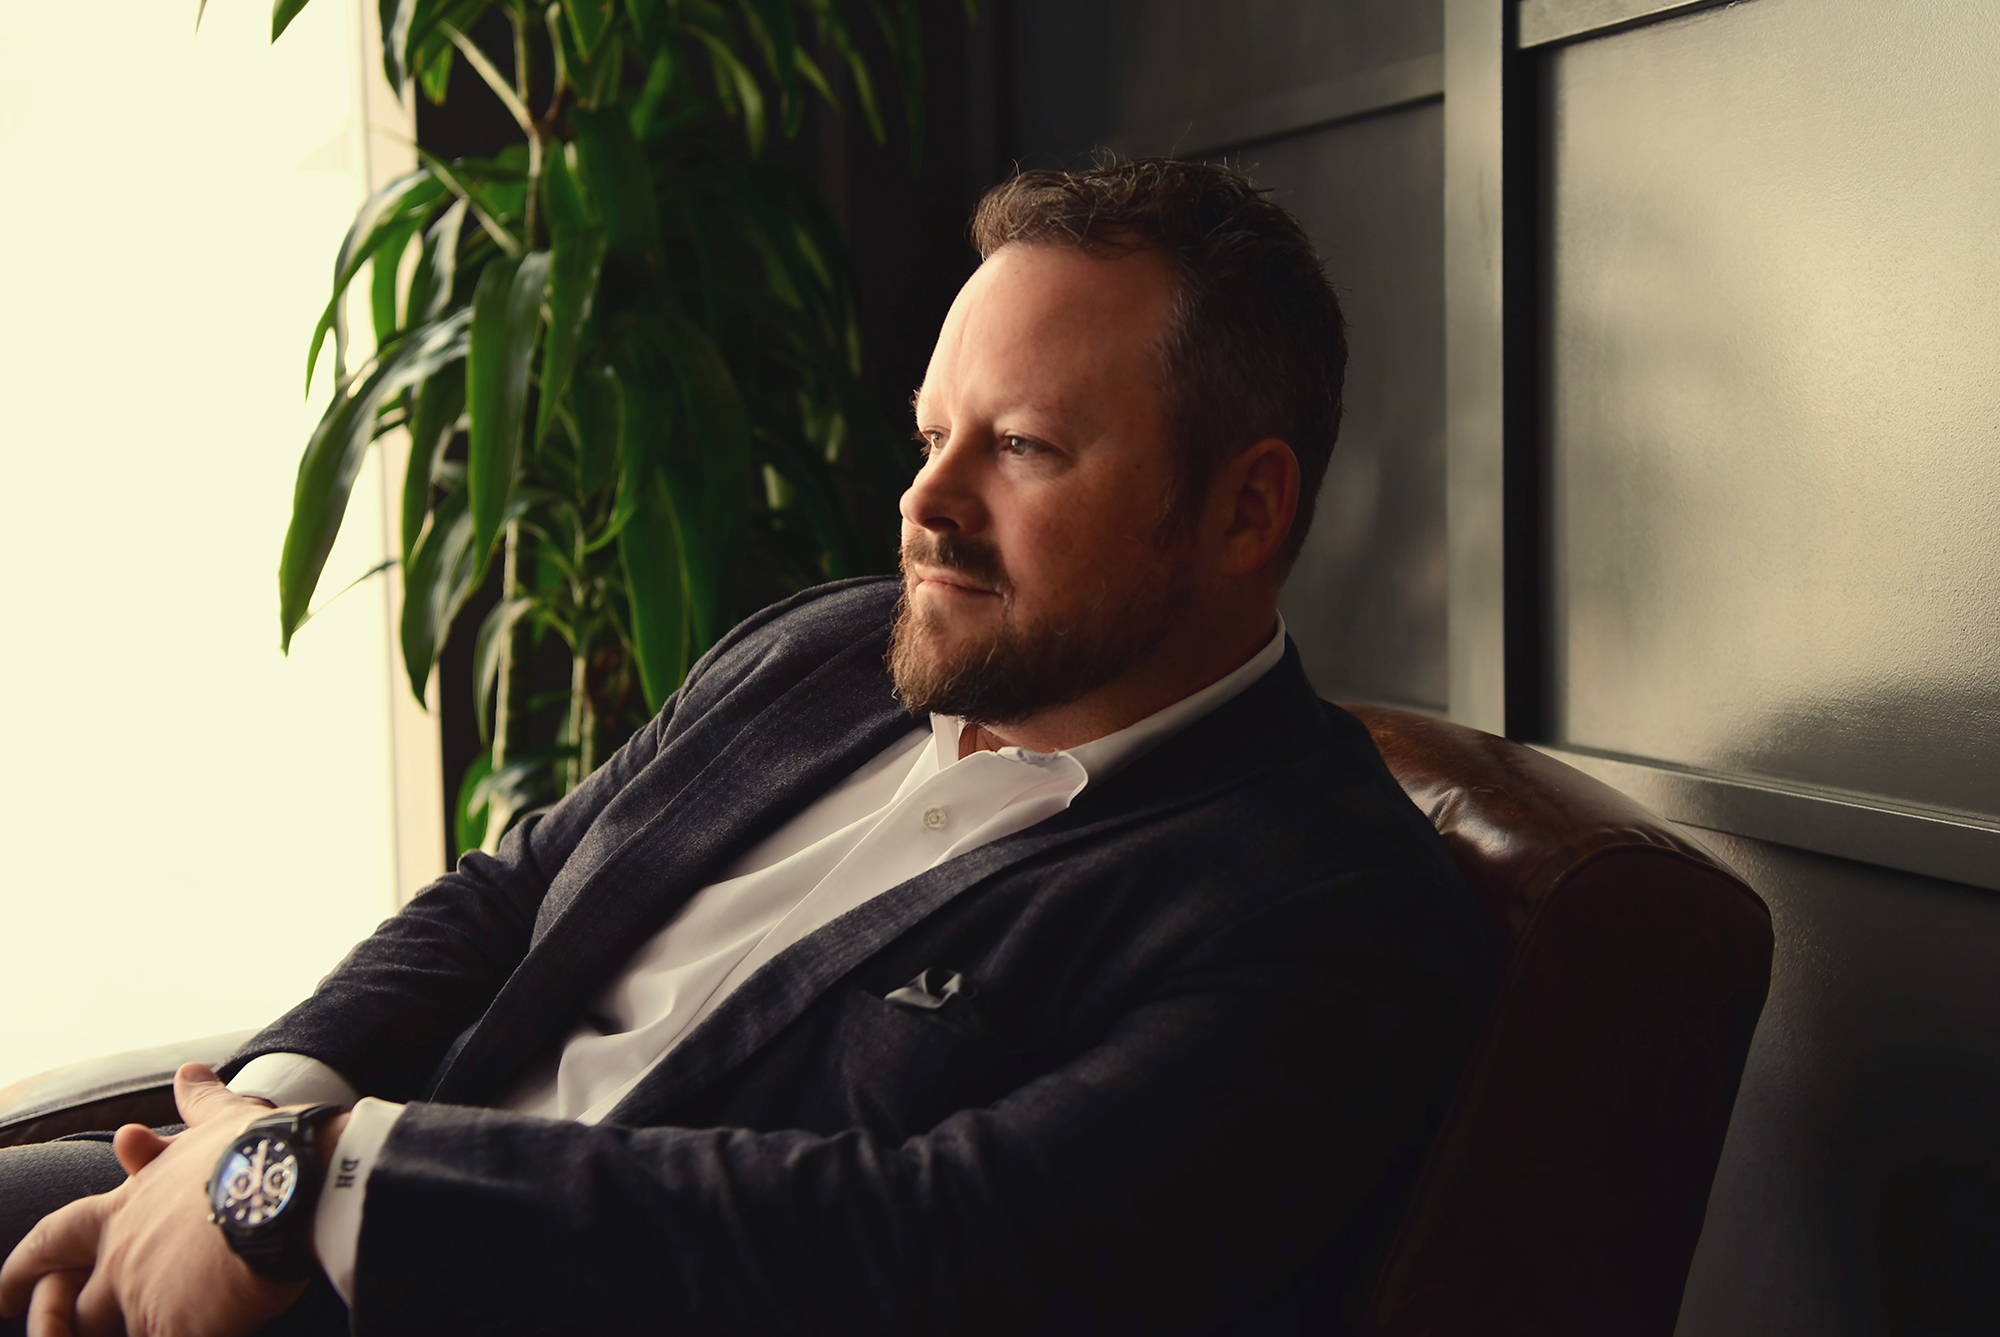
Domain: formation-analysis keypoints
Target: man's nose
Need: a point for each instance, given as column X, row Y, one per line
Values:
column 945, row 496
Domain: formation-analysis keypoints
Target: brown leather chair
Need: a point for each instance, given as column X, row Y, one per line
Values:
column 1565, row 1191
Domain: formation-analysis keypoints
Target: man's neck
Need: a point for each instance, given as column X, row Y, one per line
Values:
column 1182, row 666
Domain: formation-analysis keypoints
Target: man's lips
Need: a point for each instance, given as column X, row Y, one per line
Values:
column 950, row 580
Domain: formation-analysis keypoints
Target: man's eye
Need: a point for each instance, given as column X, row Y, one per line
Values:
column 1020, row 446
column 929, row 442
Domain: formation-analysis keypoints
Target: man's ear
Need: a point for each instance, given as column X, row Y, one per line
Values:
column 1259, row 493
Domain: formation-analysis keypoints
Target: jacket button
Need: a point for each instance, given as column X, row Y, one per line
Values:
column 935, row 818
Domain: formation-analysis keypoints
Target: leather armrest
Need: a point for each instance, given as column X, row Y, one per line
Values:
column 136, row 1086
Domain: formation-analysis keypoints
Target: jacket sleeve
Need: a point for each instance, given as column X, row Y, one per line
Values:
column 384, row 1018
column 1248, row 1106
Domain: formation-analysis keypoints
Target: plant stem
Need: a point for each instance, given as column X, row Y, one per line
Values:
column 503, row 686
column 581, row 725
column 521, row 55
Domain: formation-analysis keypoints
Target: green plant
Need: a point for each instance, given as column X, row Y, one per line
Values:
column 641, row 320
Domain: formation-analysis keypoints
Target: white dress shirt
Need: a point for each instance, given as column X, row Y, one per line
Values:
column 912, row 806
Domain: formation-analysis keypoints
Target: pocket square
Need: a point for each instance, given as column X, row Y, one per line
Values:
column 933, row 987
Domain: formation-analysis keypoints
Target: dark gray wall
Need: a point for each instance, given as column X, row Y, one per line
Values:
column 1756, row 309
column 1859, row 1190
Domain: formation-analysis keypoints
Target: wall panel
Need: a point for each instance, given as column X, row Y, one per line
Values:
column 1774, row 419
column 1366, row 602
column 1086, row 73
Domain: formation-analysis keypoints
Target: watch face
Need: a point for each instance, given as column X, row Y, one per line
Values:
column 255, row 1182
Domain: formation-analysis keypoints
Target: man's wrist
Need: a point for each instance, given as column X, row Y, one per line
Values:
column 327, row 1136
column 265, row 1187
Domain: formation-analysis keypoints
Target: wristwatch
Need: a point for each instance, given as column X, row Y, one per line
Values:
column 264, row 1189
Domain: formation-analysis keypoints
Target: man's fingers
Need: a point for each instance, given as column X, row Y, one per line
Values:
column 97, row 1312
column 199, row 1094
column 65, row 1239
column 52, row 1311
column 136, row 1145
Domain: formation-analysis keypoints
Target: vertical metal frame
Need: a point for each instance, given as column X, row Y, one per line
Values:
column 1494, row 477
column 1475, row 359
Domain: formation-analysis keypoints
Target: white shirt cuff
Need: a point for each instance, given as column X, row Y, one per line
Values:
column 337, row 1218
column 292, row 1079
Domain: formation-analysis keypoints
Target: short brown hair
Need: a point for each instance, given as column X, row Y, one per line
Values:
column 1256, row 346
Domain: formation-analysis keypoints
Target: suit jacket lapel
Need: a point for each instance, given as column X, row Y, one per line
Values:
column 787, row 984
column 829, row 723
column 1273, row 721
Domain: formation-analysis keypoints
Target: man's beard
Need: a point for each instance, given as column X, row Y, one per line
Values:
column 1018, row 670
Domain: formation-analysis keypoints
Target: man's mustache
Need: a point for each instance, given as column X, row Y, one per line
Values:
column 974, row 559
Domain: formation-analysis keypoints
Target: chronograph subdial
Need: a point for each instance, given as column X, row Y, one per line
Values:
column 257, row 1181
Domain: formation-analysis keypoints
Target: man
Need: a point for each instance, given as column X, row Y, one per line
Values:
column 1017, row 947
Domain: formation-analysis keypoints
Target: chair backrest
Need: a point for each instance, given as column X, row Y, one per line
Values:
column 1565, row 1190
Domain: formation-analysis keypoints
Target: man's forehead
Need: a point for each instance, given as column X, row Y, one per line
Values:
column 1048, row 326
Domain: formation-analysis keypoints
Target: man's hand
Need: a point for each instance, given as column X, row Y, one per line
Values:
column 144, row 1259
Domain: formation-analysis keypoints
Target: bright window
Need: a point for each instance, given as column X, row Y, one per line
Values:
column 196, row 828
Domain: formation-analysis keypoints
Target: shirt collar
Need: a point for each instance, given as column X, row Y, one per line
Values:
column 1100, row 758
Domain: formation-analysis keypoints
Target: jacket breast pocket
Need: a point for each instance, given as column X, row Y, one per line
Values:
column 899, row 1070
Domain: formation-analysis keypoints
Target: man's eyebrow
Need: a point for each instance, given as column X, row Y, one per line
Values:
column 915, row 395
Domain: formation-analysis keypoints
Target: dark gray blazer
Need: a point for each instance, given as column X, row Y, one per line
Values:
column 1207, row 1018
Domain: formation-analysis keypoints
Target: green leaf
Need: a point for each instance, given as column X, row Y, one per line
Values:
column 381, row 218
column 816, row 493
column 486, row 647
column 619, row 182
column 436, row 580
column 483, row 206
column 595, row 80
column 642, row 12
column 282, row 14
column 653, row 94
column 733, row 78
column 395, row 17
column 385, row 264
column 655, row 585
column 710, row 476
column 646, row 410
column 522, row 782
column 562, row 193
column 334, row 453
column 468, row 825
column 355, row 583
column 437, row 267
column 777, row 35
column 440, row 406
column 843, row 42
column 600, row 413
column 506, row 316
column 578, row 260
column 810, row 71
column 589, row 20
column 434, row 73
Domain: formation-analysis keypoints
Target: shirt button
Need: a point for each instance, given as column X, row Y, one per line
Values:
column 935, row 818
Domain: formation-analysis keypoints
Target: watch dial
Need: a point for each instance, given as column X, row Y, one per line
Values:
column 256, row 1182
